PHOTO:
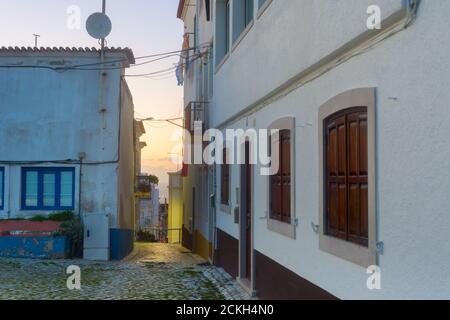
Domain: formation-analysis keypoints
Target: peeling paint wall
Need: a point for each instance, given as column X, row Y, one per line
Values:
column 34, row 247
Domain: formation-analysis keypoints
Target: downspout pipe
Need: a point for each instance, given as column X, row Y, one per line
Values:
column 81, row 156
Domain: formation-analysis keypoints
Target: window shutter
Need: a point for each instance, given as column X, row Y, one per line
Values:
column 357, row 178
column 225, row 180
column 280, row 183
column 286, row 175
column 346, row 175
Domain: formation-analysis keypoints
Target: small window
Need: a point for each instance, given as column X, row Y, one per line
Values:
column 207, row 69
column 280, row 183
column 196, row 34
column 242, row 17
column 223, row 15
column 48, row 188
column 2, row 188
column 225, row 180
column 227, row 26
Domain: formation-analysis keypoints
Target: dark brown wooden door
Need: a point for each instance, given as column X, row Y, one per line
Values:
column 346, row 175
column 248, row 225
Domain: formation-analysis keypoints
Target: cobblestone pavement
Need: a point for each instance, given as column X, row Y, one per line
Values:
column 153, row 271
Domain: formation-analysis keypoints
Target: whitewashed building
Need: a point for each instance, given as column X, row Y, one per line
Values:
column 149, row 215
column 362, row 114
column 198, row 180
column 67, row 141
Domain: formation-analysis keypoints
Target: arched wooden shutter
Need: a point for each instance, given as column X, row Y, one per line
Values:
column 225, row 179
column 346, row 175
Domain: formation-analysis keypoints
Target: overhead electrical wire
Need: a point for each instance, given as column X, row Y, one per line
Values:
column 81, row 67
column 168, row 70
column 164, row 55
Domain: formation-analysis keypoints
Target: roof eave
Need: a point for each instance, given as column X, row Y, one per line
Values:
column 127, row 53
column 181, row 9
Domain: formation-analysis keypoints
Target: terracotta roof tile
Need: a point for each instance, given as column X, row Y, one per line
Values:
column 127, row 51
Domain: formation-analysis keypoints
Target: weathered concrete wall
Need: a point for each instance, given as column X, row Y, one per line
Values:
column 49, row 116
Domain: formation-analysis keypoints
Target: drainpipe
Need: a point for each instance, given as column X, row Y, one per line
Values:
column 81, row 156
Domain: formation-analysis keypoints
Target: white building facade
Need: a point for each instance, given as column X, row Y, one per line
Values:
column 364, row 174
column 67, row 132
column 198, row 180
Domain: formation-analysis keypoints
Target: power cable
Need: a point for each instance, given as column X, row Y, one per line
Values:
column 80, row 67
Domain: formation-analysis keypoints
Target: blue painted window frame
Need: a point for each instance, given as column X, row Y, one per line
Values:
column 40, row 194
column 2, row 184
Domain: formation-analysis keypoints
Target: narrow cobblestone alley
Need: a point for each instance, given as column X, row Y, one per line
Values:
column 153, row 271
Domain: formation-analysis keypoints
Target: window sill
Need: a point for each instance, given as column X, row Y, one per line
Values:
column 263, row 8
column 283, row 228
column 49, row 210
column 224, row 59
column 362, row 256
column 242, row 36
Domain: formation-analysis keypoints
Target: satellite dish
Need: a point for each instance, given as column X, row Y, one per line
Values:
column 98, row 25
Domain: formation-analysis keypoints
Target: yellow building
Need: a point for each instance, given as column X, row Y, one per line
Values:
column 175, row 215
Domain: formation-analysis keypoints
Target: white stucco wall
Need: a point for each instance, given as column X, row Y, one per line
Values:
column 410, row 72
column 198, row 177
column 286, row 39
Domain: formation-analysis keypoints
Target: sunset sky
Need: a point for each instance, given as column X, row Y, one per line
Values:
column 146, row 26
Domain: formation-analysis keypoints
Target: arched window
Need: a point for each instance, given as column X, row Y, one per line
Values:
column 280, row 183
column 281, row 192
column 347, row 206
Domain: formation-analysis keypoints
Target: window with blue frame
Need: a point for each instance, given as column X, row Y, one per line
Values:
column 47, row 188
column 2, row 188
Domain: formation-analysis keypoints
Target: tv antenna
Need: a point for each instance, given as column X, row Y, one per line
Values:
column 36, row 36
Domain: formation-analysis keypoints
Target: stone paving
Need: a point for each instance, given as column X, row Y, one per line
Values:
column 153, row 271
